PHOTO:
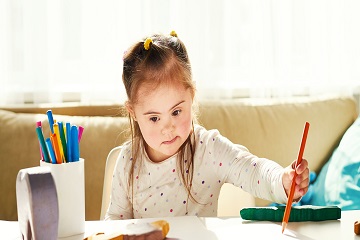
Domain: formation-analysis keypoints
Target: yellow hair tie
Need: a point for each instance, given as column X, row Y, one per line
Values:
column 173, row 34
column 147, row 43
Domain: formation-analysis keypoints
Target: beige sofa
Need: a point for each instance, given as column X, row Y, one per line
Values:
column 268, row 128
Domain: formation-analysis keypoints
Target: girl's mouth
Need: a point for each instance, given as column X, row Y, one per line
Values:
column 171, row 141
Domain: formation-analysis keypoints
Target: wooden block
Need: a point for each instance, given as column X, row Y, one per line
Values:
column 297, row 214
column 357, row 227
column 37, row 204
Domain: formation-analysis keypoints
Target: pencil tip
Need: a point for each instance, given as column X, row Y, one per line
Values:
column 283, row 227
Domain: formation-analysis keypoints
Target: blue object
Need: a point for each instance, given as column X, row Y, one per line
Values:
column 68, row 142
column 51, row 120
column 339, row 180
column 51, row 151
column 74, row 143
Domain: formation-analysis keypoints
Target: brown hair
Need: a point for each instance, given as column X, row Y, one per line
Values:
column 162, row 60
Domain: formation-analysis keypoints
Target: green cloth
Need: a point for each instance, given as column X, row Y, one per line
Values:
column 297, row 214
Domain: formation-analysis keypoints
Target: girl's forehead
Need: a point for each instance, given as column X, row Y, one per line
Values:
column 162, row 95
column 146, row 90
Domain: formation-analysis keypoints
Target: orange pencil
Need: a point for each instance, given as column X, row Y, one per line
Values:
column 55, row 144
column 292, row 189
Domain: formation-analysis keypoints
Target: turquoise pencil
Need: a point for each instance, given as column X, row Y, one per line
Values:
column 42, row 143
column 38, row 124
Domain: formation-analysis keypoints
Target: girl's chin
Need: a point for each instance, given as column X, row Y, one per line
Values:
column 167, row 154
column 162, row 155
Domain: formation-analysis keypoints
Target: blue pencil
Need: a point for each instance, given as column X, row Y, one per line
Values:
column 51, row 150
column 51, row 120
column 75, row 143
column 68, row 142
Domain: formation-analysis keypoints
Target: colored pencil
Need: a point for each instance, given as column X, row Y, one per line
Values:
column 63, row 139
column 38, row 124
column 59, row 142
column 292, row 189
column 55, row 144
column 43, row 144
column 51, row 120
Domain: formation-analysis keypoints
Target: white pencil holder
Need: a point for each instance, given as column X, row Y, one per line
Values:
column 69, row 181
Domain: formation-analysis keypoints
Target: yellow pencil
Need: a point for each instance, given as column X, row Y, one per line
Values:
column 57, row 132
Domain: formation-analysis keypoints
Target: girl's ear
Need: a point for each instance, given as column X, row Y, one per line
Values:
column 130, row 109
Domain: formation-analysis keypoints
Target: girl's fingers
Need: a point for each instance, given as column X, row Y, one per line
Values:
column 302, row 166
column 303, row 177
column 302, row 191
column 302, row 182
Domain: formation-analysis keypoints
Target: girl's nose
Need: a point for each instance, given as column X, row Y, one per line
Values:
column 168, row 128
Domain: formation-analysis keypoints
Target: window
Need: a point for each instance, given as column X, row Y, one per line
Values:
column 71, row 50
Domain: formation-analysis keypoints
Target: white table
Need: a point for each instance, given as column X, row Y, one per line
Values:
column 221, row 228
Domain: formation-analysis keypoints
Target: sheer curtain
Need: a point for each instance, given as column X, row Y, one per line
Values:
column 71, row 50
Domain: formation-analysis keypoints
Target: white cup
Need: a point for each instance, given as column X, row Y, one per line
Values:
column 70, row 187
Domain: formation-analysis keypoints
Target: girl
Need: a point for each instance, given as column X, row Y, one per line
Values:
column 167, row 168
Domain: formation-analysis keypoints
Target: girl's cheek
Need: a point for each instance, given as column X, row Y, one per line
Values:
column 185, row 125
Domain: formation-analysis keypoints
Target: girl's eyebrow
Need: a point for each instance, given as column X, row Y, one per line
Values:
column 152, row 112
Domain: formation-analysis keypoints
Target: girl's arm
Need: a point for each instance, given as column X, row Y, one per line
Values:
column 260, row 177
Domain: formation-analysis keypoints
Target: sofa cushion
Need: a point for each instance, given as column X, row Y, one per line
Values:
column 272, row 128
column 339, row 180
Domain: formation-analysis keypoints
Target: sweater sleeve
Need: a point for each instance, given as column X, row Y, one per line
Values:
column 260, row 177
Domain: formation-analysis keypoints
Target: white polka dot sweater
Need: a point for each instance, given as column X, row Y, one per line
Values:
column 159, row 191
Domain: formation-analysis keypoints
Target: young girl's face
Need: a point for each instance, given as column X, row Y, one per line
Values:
column 165, row 118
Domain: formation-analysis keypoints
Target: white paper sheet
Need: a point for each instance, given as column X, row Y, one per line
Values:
column 228, row 228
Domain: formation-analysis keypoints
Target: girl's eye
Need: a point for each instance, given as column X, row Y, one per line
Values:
column 154, row 119
column 176, row 112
